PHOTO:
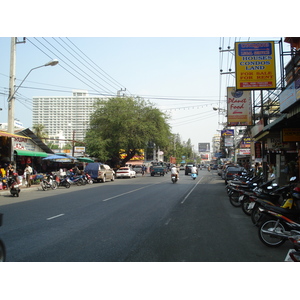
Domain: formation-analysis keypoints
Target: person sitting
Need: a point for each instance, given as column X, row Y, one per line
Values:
column 174, row 171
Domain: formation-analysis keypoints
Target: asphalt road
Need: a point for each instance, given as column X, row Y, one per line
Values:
column 146, row 219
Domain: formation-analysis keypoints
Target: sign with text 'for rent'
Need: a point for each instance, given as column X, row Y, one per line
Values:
column 255, row 65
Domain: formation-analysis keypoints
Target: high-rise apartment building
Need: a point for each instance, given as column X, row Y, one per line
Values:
column 65, row 116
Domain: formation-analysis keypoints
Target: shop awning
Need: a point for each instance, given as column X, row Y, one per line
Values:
column 31, row 153
column 85, row 159
column 3, row 133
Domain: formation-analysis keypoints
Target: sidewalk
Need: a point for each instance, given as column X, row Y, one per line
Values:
column 22, row 188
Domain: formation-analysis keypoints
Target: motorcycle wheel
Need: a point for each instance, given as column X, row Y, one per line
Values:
column 67, row 184
column 44, row 186
column 2, row 252
column 245, row 204
column 54, row 185
column 83, row 181
column 265, row 233
column 234, row 199
column 255, row 215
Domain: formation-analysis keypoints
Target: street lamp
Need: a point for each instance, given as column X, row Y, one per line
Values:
column 53, row 62
column 12, row 91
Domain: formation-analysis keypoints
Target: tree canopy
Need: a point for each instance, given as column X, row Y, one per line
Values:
column 127, row 124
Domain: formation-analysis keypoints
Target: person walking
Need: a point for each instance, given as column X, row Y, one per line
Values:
column 27, row 173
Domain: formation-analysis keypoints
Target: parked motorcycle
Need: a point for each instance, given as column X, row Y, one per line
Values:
column 87, row 178
column 2, row 245
column 65, row 181
column 281, row 196
column 13, row 184
column 76, row 179
column 278, row 224
column 48, row 182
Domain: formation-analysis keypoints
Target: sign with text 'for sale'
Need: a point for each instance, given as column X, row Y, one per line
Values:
column 255, row 65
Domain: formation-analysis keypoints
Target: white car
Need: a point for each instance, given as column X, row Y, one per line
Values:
column 125, row 172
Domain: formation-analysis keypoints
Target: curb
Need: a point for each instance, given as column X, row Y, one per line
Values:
column 23, row 189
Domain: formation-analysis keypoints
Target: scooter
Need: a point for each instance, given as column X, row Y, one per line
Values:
column 174, row 178
column 194, row 176
column 13, row 184
column 279, row 223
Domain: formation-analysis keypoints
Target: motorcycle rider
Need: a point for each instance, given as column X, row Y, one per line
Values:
column 194, row 169
column 175, row 172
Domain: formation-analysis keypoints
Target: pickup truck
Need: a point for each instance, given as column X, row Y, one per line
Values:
column 157, row 170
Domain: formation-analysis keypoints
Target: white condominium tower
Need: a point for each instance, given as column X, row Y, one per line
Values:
column 67, row 116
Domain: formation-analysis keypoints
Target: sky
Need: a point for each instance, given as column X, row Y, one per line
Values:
column 180, row 75
column 171, row 59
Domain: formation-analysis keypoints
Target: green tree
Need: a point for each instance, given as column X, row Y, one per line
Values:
column 126, row 124
column 40, row 131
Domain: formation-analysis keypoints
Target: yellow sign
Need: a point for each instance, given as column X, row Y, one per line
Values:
column 255, row 65
column 291, row 134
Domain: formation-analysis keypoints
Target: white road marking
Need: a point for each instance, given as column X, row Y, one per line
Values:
column 167, row 223
column 107, row 199
column 191, row 191
column 55, row 217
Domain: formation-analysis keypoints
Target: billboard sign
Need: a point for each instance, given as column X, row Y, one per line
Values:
column 239, row 107
column 255, row 65
column 288, row 97
column 203, row 147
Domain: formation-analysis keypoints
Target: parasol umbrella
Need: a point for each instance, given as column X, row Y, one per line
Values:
column 57, row 158
column 67, row 156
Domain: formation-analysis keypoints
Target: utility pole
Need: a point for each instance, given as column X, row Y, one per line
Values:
column 12, row 78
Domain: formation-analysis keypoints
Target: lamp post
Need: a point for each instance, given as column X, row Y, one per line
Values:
column 12, row 92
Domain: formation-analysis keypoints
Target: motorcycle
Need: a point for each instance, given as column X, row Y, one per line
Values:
column 65, row 181
column 194, row 176
column 2, row 245
column 281, row 196
column 294, row 254
column 13, row 184
column 87, row 178
column 279, row 224
column 174, row 178
column 49, row 182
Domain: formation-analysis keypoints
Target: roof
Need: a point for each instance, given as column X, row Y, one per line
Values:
column 28, row 133
column 4, row 133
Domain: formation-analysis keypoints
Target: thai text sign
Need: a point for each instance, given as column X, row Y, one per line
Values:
column 239, row 110
column 291, row 134
column 255, row 65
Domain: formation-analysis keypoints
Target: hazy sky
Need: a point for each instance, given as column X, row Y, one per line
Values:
column 180, row 75
column 162, row 51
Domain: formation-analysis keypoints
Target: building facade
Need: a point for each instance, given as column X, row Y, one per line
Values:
column 65, row 116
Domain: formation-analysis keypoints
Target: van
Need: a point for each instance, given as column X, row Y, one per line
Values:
column 100, row 172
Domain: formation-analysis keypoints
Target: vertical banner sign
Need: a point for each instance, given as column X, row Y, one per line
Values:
column 255, row 66
column 228, row 135
column 239, row 107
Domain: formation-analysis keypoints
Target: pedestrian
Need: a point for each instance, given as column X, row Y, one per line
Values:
column 143, row 170
column 27, row 173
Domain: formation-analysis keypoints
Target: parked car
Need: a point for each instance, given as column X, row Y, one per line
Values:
column 100, row 172
column 137, row 169
column 157, row 170
column 125, row 172
column 231, row 171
